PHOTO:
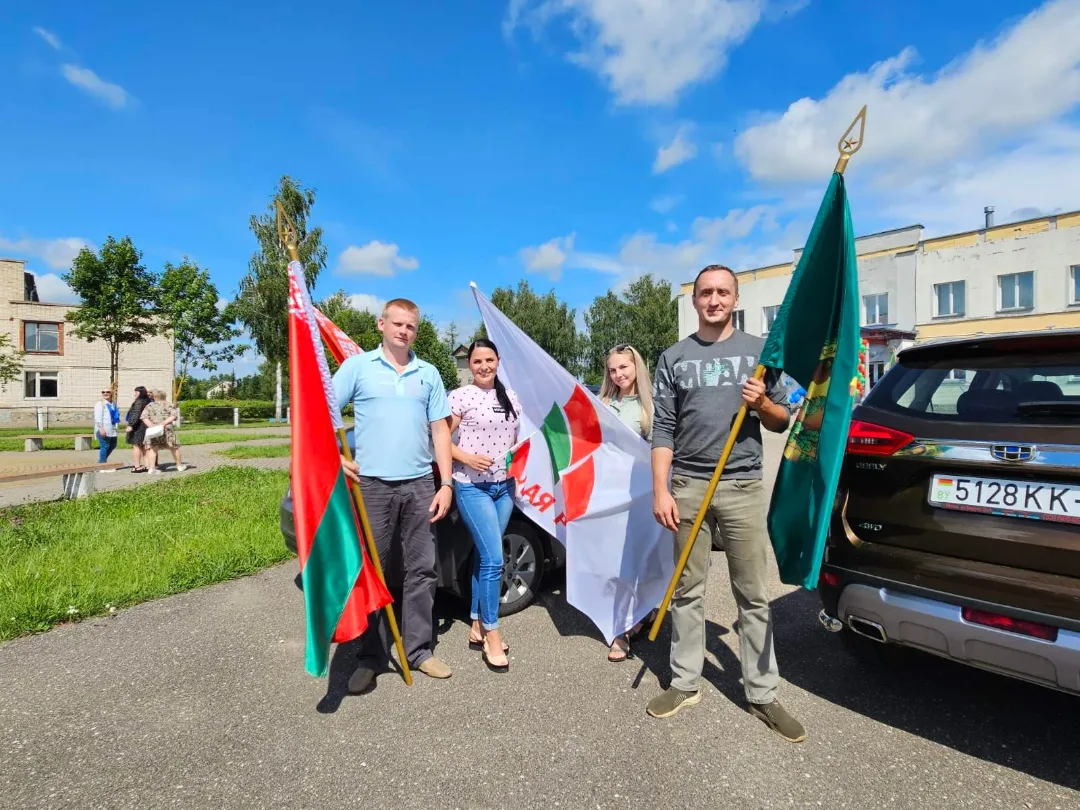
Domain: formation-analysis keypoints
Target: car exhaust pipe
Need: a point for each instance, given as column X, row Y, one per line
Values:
column 865, row 627
column 830, row 623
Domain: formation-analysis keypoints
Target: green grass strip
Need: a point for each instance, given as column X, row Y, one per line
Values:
column 67, row 560
column 256, row 451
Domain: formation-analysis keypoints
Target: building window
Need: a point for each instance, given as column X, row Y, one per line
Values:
column 738, row 320
column 1074, row 284
column 949, row 298
column 877, row 371
column 1017, row 291
column 768, row 317
column 42, row 385
column 876, row 308
column 41, row 337
column 958, row 375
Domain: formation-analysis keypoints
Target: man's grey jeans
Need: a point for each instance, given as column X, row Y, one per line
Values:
column 737, row 512
column 398, row 512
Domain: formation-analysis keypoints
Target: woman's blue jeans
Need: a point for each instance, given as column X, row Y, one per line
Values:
column 486, row 510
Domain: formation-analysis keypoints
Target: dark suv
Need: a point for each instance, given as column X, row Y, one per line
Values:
column 528, row 553
column 956, row 528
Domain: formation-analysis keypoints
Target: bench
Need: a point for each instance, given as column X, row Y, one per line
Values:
column 83, row 441
column 76, row 482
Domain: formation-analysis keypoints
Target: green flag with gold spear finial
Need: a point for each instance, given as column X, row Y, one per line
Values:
column 815, row 339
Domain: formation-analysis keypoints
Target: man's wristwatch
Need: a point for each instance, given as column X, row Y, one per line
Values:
column 445, row 484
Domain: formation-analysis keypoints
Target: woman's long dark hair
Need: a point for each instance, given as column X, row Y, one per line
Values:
column 500, row 389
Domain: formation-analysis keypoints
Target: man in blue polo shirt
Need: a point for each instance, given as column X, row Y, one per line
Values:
column 401, row 412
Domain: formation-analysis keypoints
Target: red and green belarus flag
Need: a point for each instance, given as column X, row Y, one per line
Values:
column 341, row 588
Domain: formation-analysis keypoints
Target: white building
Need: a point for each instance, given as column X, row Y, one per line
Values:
column 63, row 376
column 1009, row 278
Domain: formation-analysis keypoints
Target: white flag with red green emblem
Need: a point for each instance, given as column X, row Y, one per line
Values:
column 585, row 478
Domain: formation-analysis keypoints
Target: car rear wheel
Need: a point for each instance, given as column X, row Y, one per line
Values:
column 523, row 568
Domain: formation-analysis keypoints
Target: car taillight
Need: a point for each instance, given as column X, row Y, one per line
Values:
column 868, row 439
column 999, row 622
column 830, row 579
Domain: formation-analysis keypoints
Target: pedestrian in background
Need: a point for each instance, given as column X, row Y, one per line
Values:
column 106, row 418
column 160, row 420
column 136, row 429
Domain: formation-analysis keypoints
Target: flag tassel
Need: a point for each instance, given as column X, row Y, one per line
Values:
column 373, row 554
column 695, row 530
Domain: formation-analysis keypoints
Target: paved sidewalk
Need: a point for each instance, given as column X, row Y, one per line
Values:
column 200, row 457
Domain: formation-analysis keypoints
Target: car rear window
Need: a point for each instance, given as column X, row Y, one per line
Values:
column 1009, row 388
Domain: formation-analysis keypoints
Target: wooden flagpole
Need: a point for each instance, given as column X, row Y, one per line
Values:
column 849, row 144
column 288, row 236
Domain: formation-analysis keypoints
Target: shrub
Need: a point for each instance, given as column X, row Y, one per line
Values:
column 218, row 410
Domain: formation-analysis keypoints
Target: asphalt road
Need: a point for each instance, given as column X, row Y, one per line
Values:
column 201, row 701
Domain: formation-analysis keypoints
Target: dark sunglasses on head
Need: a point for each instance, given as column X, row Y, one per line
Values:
column 622, row 347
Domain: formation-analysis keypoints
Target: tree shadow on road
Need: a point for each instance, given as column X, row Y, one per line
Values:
column 1010, row 723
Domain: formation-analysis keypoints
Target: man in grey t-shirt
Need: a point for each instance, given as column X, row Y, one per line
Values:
column 701, row 382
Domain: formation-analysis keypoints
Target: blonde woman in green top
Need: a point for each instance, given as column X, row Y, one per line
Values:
column 627, row 391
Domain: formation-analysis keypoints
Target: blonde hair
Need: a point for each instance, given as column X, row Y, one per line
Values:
column 159, row 395
column 401, row 303
column 642, row 384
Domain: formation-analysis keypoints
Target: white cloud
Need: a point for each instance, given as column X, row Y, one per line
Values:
column 375, row 259
column 1027, row 77
column 743, row 238
column 666, row 204
column 368, row 302
column 646, row 51
column 680, row 150
column 52, row 39
column 56, row 253
column 548, row 258
column 52, row 289
column 85, row 79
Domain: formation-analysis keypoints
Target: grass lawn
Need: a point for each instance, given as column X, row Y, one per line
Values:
column 257, row 451
column 66, row 560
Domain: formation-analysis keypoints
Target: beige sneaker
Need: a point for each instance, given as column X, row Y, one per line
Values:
column 434, row 668
column 671, row 701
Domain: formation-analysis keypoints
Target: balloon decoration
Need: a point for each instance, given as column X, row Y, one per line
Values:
column 860, row 375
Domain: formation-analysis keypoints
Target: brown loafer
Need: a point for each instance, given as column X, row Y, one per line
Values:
column 434, row 668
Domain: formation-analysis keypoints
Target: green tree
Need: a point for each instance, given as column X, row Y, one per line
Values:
column 429, row 347
column 262, row 303
column 11, row 361
column 119, row 299
column 544, row 318
column 654, row 317
column 202, row 334
column 358, row 324
column 646, row 316
column 607, row 324
column 452, row 336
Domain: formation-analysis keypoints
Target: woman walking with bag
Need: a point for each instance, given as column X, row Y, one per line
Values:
column 485, row 416
column 627, row 391
column 136, row 429
column 160, row 421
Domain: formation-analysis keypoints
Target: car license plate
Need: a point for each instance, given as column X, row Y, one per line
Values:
column 1038, row 500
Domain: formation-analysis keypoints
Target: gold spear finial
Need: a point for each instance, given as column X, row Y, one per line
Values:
column 849, row 142
column 287, row 233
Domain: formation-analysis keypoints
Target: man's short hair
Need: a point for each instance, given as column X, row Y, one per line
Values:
column 401, row 303
column 710, row 269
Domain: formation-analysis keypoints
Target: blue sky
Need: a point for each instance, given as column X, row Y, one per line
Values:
column 576, row 143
